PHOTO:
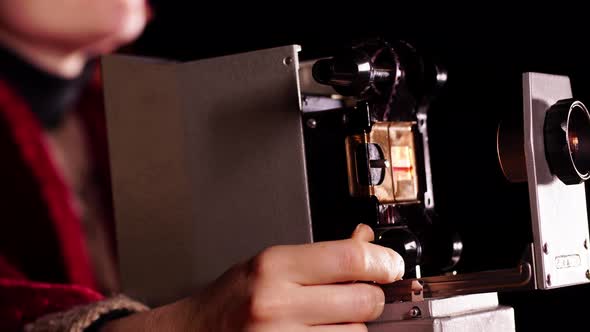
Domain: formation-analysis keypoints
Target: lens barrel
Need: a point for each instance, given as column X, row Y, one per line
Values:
column 567, row 141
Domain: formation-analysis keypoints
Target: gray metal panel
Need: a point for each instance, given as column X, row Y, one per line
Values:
column 559, row 215
column 208, row 165
column 151, row 189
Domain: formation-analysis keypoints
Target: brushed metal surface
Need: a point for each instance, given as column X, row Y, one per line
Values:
column 439, row 307
column 476, row 312
column 500, row 319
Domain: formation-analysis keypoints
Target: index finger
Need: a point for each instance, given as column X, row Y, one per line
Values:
column 337, row 261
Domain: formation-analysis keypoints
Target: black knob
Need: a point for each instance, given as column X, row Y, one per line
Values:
column 442, row 248
column 352, row 73
column 404, row 242
column 434, row 249
column 567, row 141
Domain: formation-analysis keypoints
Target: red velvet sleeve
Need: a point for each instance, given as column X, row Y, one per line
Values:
column 40, row 234
column 24, row 301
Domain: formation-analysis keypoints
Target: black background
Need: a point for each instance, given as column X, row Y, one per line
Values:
column 485, row 47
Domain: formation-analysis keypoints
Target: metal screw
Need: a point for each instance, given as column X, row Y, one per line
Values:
column 586, row 243
column 415, row 312
column 287, row 61
column 545, row 249
column 588, row 274
column 548, row 280
column 312, row 123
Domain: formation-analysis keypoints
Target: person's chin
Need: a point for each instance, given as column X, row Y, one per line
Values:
column 125, row 33
column 132, row 28
column 133, row 22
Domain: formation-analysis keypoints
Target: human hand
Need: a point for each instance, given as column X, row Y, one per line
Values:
column 308, row 287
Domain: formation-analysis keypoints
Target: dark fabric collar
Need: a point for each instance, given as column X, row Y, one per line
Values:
column 49, row 96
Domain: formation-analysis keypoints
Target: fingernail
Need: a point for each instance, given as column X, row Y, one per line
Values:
column 379, row 304
column 399, row 265
column 357, row 228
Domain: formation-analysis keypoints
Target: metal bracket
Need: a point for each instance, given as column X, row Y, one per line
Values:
column 520, row 277
column 558, row 211
column 422, row 116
